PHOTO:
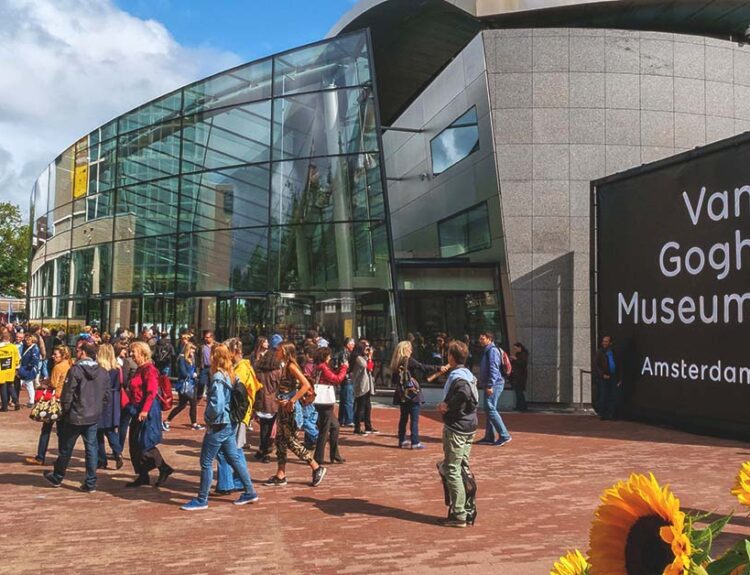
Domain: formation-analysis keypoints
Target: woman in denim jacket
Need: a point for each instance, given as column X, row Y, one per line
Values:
column 220, row 435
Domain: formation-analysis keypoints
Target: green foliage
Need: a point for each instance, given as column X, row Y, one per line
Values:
column 14, row 250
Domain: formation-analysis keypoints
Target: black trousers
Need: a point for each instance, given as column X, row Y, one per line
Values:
column 328, row 432
column 266, row 426
column 184, row 401
column 362, row 412
column 521, row 400
column 143, row 461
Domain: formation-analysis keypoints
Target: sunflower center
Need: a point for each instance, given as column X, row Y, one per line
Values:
column 645, row 552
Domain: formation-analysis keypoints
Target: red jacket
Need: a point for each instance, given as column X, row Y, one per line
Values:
column 144, row 387
column 328, row 376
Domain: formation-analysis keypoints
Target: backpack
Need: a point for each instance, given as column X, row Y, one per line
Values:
column 165, row 392
column 409, row 386
column 505, row 366
column 238, row 402
column 163, row 352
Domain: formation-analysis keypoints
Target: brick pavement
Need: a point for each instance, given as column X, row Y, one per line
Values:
column 375, row 514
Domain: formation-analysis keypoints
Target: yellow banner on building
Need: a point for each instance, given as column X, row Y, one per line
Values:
column 81, row 168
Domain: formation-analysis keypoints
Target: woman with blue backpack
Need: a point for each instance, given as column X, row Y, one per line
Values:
column 220, row 435
column 186, row 387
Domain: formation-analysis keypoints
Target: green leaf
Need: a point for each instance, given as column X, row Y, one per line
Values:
column 726, row 564
column 747, row 549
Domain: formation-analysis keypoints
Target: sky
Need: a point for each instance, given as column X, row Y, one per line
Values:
column 69, row 66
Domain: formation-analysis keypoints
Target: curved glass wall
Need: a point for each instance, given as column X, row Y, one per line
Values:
column 251, row 201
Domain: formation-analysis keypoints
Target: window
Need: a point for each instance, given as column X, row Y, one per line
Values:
column 465, row 232
column 457, row 141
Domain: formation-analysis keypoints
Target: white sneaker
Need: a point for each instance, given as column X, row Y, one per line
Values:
column 405, row 445
column 165, row 425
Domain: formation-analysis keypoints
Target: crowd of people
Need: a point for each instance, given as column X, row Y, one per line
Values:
column 114, row 390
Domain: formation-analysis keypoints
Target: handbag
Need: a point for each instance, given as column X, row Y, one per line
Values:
column 410, row 387
column 46, row 410
column 309, row 397
column 188, row 388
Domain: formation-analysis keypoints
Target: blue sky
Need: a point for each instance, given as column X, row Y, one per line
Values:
column 249, row 28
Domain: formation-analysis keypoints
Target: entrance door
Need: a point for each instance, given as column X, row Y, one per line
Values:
column 243, row 317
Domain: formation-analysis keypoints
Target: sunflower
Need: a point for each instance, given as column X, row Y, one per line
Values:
column 741, row 489
column 639, row 530
column 571, row 564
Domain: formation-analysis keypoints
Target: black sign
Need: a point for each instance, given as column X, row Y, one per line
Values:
column 673, row 286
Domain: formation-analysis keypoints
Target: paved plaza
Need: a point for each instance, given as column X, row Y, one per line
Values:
column 375, row 514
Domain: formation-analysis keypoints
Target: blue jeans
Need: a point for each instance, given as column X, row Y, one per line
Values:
column 409, row 409
column 222, row 440
column 310, row 424
column 125, row 416
column 203, row 380
column 494, row 421
column 113, row 438
column 69, row 435
column 346, row 403
column 7, row 389
column 226, row 478
column 44, row 435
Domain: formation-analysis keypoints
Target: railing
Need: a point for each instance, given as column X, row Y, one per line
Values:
column 580, row 387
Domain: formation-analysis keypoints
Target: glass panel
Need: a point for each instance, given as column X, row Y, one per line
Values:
column 197, row 314
column 324, row 123
column 245, row 84
column 149, row 154
column 102, row 159
column 337, row 188
column 105, row 132
column 232, row 198
column 125, row 314
column 224, row 260
column 164, row 108
column 456, row 142
column 465, row 232
column 221, row 138
column 147, row 209
column 144, row 265
column 61, row 182
column 91, row 269
column 61, row 275
column 334, row 64
column 40, row 196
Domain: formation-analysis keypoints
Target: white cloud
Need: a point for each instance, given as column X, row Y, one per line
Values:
column 69, row 66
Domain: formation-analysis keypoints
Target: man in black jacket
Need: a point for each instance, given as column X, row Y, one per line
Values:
column 84, row 395
column 607, row 375
column 459, row 409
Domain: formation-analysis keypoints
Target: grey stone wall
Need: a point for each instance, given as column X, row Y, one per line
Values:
column 569, row 106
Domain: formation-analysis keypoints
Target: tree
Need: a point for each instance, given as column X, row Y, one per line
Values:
column 14, row 250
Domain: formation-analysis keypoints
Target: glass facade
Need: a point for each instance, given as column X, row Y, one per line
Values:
column 249, row 202
column 456, row 142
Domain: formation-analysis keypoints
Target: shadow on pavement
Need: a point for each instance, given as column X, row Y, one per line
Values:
column 351, row 506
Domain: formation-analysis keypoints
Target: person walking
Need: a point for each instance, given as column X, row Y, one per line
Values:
column 346, row 389
column 221, row 435
column 60, row 367
column 128, row 367
column 109, row 421
column 309, row 413
column 406, row 376
column 164, row 354
column 186, row 388
column 203, row 363
column 29, row 369
column 292, row 387
column 326, row 381
column 364, row 388
column 607, row 375
column 85, row 394
column 459, row 411
column 228, row 480
column 145, row 425
column 491, row 379
column 269, row 372
column 519, row 359
column 9, row 362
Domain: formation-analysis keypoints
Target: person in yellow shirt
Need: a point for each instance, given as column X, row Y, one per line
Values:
column 10, row 359
column 227, row 480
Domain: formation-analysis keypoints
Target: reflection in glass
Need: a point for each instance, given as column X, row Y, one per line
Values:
column 91, row 270
column 227, row 137
column 223, row 260
column 337, row 188
column 232, row 198
column 244, row 84
column 144, row 265
column 102, row 160
column 324, row 123
column 149, row 154
column 334, row 64
column 147, row 209
column 456, row 142
column 465, row 232
column 164, row 108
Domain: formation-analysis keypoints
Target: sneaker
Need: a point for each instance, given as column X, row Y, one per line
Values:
column 198, row 427
column 418, row 446
column 405, row 445
column 86, row 489
column 452, row 522
column 266, row 459
column 164, row 473
column 358, row 432
column 275, row 481
column 29, row 405
column 369, row 431
column 138, row 482
column 33, row 461
column 194, row 505
column 338, row 459
column 501, row 442
column 50, row 479
column 165, row 425
column 485, row 441
column 318, row 476
column 246, row 498
column 118, row 461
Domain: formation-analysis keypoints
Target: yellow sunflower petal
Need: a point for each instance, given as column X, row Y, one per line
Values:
column 573, row 563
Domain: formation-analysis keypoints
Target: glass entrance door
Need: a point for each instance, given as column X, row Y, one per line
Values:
column 243, row 317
